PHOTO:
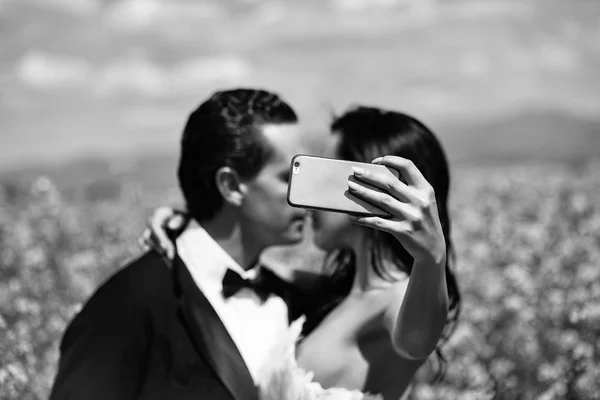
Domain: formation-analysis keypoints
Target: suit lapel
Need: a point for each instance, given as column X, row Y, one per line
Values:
column 211, row 337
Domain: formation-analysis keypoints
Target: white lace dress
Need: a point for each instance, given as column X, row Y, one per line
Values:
column 283, row 379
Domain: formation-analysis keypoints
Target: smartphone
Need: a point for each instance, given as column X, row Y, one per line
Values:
column 321, row 183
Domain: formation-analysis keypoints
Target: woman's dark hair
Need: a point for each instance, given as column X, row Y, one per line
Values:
column 365, row 134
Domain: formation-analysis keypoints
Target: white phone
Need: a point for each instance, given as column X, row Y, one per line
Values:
column 321, row 183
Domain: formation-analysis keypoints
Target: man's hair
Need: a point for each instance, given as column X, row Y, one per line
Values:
column 225, row 131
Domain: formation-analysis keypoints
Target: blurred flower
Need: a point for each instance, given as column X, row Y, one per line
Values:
column 528, row 245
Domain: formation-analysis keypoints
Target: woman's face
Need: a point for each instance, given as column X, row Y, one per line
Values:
column 332, row 230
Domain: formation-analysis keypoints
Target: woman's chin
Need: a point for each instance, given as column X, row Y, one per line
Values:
column 321, row 242
column 317, row 238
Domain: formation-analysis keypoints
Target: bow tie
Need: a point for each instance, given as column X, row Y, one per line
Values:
column 263, row 284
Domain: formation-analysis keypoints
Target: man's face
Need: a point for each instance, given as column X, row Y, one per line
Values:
column 332, row 230
column 265, row 212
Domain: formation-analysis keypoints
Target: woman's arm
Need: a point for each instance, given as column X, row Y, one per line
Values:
column 164, row 226
column 417, row 317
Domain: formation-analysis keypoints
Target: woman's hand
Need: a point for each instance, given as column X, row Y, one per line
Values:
column 414, row 221
column 161, row 224
column 417, row 318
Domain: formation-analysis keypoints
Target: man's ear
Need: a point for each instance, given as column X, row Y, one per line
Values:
column 230, row 186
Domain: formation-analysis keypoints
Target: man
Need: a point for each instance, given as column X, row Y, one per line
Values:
column 201, row 329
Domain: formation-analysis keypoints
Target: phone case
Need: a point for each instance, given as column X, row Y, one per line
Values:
column 322, row 184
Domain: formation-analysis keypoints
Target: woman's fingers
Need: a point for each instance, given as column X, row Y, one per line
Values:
column 176, row 222
column 159, row 223
column 396, row 208
column 394, row 227
column 390, row 184
column 149, row 241
column 145, row 241
column 415, row 221
column 406, row 167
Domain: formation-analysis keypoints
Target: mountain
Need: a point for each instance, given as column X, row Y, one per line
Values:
column 534, row 137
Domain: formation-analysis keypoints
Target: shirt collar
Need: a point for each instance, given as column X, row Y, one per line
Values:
column 205, row 258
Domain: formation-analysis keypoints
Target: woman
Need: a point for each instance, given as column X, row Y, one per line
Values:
column 391, row 295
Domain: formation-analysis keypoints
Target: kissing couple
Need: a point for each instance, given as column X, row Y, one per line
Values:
column 198, row 317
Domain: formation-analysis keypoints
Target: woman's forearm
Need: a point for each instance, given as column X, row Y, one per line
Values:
column 423, row 313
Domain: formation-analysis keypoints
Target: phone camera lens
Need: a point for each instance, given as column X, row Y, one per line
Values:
column 297, row 164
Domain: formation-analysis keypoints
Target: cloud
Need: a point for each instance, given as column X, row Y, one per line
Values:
column 558, row 57
column 4, row 3
column 141, row 76
column 359, row 5
column 132, row 15
column 477, row 10
column 76, row 7
column 201, row 70
column 52, row 71
column 271, row 12
column 549, row 56
column 157, row 118
column 135, row 75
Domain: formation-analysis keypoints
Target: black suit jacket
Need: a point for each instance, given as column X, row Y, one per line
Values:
column 149, row 333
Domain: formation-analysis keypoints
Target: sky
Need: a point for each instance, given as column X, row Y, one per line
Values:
column 89, row 77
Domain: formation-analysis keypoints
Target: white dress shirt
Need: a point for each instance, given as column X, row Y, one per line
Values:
column 253, row 325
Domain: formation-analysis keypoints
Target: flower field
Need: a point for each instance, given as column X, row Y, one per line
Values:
column 528, row 255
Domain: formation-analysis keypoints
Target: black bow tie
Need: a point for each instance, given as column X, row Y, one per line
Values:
column 263, row 284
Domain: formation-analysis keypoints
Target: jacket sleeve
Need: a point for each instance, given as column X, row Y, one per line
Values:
column 104, row 351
